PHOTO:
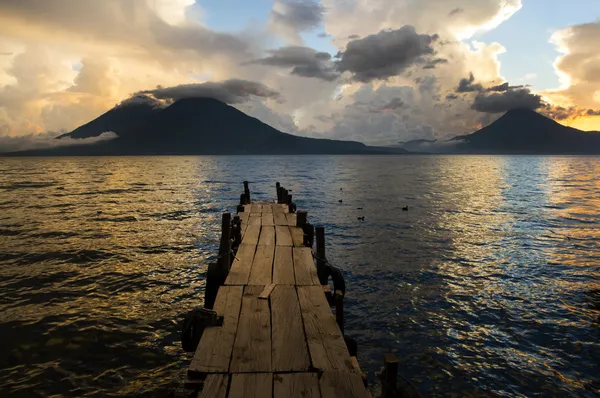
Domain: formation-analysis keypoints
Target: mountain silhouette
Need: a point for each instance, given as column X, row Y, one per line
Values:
column 194, row 126
column 523, row 131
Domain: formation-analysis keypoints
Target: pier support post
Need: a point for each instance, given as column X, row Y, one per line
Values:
column 290, row 204
column 339, row 309
column 278, row 189
column 247, row 192
column 301, row 218
column 225, row 246
column 237, row 231
column 240, row 208
column 321, row 262
column 389, row 376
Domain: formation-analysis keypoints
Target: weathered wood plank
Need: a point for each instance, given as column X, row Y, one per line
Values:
column 297, row 236
column 296, row 385
column 215, row 386
column 280, row 219
column 290, row 352
column 279, row 208
column 267, row 219
column 291, row 219
column 251, row 385
column 255, row 219
column 244, row 217
column 264, row 295
column 256, row 208
column 326, row 345
column 251, row 235
column 283, row 236
column 304, row 267
column 267, row 236
column 283, row 266
column 262, row 266
column 252, row 347
column 340, row 384
column 240, row 268
column 214, row 350
column 267, row 208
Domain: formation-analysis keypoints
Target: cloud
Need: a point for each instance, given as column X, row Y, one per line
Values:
column 434, row 62
column 592, row 112
column 455, row 11
column 47, row 140
column 394, row 104
column 230, row 91
column 468, row 85
column 451, row 96
column 292, row 17
column 141, row 99
column 503, row 87
column 303, row 61
column 503, row 102
column 578, row 67
column 385, row 54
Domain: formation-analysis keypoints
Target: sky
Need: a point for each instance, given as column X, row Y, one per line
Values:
column 376, row 71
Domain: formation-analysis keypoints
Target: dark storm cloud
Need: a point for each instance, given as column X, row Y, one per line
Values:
column 229, row 91
column 141, row 99
column 503, row 102
column 385, row 54
column 392, row 105
column 455, row 11
column 298, row 14
column 591, row 112
column 451, row 97
column 434, row 62
column 304, row 62
column 468, row 85
column 503, row 87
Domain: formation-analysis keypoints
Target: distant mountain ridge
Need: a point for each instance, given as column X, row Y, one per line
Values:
column 194, row 126
column 523, row 131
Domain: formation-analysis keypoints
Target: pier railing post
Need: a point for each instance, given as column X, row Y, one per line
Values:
column 339, row 309
column 321, row 261
column 278, row 189
column 237, row 231
column 301, row 218
column 389, row 376
column 247, row 192
column 225, row 246
column 290, row 204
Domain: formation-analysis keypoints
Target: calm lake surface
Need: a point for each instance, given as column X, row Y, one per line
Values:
column 488, row 286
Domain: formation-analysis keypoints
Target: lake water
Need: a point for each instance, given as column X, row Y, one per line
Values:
column 488, row 286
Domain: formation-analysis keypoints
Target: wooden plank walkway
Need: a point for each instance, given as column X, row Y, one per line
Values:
column 279, row 338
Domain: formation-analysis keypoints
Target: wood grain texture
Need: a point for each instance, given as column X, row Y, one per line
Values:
column 251, row 235
column 326, row 345
column 296, row 385
column 255, row 219
column 215, row 386
column 267, row 292
column 283, row 237
column 214, row 350
column 256, row 208
column 339, row 384
column 240, row 268
column 267, row 236
column 290, row 352
column 267, row 208
column 291, row 219
column 297, row 236
column 262, row 266
column 251, row 385
column 267, row 219
column 252, row 347
column 283, row 266
column 280, row 219
column 279, row 208
column 304, row 267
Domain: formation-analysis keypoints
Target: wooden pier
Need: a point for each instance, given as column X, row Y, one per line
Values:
column 278, row 336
